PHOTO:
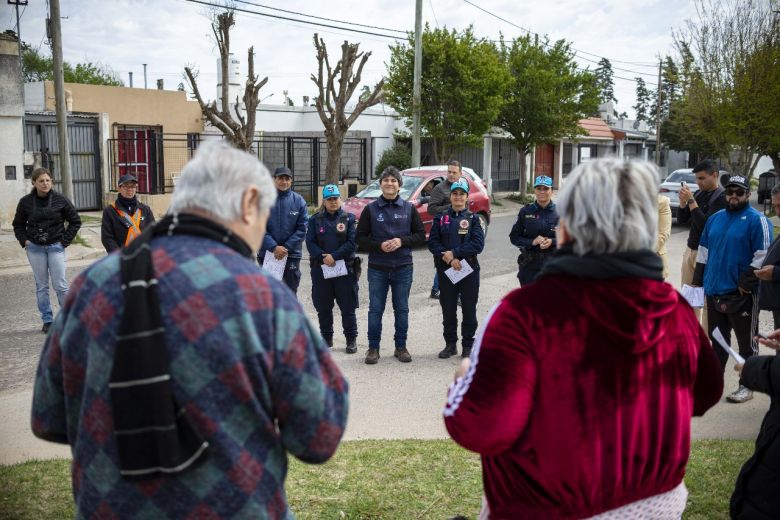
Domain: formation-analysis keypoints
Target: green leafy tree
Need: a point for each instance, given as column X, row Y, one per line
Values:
column 642, row 106
column 462, row 87
column 729, row 96
column 605, row 83
column 398, row 155
column 38, row 67
column 547, row 95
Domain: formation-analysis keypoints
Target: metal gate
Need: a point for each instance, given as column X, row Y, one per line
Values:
column 505, row 171
column 40, row 137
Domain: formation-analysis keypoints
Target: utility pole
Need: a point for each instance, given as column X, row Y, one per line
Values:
column 17, row 3
column 59, row 95
column 144, row 75
column 416, row 98
column 659, row 93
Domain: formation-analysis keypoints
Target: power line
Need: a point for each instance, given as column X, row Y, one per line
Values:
column 548, row 45
column 209, row 4
column 319, row 17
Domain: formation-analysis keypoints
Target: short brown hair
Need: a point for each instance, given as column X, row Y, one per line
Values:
column 37, row 172
column 453, row 162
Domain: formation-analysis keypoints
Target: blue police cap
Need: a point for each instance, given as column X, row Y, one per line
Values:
column 331, row 190
column 460, row 184
column 543, row 180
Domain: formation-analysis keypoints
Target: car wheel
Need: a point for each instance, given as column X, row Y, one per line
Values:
column 484, row 223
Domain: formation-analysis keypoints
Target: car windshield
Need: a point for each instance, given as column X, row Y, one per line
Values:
column 409, row 186
column 679, row 176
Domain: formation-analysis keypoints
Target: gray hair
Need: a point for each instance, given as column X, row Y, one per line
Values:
column 610, row 206
column 215, row 181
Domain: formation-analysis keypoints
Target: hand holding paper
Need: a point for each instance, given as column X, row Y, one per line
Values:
column 716, row 334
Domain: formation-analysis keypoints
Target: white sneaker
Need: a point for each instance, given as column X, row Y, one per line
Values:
column 741, row 395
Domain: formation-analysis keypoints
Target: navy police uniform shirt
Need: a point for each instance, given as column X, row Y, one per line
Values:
column 456, row 231
column 533, row 221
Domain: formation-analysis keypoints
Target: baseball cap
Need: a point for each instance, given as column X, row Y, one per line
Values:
column 737, row 180
column 283, row 170
column 331, row 190
column 543, row 180
column 460, row 184
column 127, row 178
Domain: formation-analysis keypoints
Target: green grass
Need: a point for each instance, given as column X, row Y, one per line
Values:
column 89, row 219
column 381, row 479
column 516, row 197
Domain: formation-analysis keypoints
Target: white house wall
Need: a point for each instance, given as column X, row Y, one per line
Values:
column 11, row 131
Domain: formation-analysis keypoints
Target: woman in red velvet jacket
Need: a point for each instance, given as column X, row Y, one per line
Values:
column 580, row 389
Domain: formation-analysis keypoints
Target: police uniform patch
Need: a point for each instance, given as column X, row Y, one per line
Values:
column 340, row 227
column 464, row 224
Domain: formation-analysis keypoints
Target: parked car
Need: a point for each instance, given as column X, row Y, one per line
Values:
column 414, row 180
column 671, row 185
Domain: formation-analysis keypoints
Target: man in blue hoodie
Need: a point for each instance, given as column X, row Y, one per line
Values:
column 733, row 245
column 286, row 228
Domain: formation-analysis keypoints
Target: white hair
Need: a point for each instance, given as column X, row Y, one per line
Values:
column 215, row 181
column 610, row 206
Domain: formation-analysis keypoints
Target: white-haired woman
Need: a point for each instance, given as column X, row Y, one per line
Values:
column 582, row 386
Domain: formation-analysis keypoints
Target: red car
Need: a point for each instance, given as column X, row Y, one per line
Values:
column 414, row 181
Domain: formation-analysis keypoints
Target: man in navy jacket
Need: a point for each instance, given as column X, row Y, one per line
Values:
column 286, row 229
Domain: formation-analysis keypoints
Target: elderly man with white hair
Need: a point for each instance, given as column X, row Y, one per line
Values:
column 580, row 389
column 179, row 373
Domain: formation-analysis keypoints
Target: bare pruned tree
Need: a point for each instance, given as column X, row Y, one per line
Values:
column 237, row 128
column 336, row 86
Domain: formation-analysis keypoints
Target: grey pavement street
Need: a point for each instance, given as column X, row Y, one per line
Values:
column 388, row 400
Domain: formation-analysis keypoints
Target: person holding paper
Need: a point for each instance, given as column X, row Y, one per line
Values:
column 457, row 238
column 756, row 492
column 580, row 389
column 286, row 229
column 734, row 243
column 330, row 239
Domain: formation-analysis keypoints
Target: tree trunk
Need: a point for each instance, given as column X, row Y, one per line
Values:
column 775, row 161
column 333, row 166
column 523, row 173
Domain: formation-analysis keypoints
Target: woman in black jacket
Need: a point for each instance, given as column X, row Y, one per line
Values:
column 39, row 226
column 756, row 494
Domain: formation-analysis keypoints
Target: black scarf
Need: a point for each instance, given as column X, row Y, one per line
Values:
column 632, row 264
column 154, row 435
column 127, row 205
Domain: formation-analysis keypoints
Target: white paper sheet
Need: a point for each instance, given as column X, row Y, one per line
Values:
column 456, row 276
column 273, row 266
column 340, row 269
column 720, row 339
column 694, row 295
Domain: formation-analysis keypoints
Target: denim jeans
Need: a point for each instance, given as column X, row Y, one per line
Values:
column 400, row 282
column 48, row 261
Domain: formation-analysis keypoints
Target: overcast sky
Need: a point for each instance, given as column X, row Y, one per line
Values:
column 169, row 34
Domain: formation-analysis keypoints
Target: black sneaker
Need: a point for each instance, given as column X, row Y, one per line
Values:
column 328, row 341
column 466, row 352
column 434, row 294
column 46, row 327
column 351, row 346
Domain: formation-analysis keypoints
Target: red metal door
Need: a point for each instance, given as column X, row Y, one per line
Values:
column 543, row 164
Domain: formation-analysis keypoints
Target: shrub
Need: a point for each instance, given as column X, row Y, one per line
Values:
column 398, row 155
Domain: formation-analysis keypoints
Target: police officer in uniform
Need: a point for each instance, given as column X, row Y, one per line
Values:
column 457, row 236
column 330, row 237
column 534, row 231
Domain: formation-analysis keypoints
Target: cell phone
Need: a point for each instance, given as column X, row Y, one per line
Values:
column 682, row 183
column 762, row 335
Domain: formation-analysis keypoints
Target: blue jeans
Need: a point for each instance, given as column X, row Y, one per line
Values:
column 400, row 281
column 435, row 286
column 48, row 261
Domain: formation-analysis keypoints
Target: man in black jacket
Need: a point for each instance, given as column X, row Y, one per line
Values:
column 756, row 494
column 769, row 274
column 126, row 218
column 696, row 209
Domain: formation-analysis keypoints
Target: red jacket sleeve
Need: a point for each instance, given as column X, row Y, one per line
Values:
column 488, row 408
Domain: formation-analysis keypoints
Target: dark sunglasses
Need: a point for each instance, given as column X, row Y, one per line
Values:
column 739, row 192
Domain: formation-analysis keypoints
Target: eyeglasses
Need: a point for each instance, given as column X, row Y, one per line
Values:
column 129, row 186
column 332, row 199
column 739, row 192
